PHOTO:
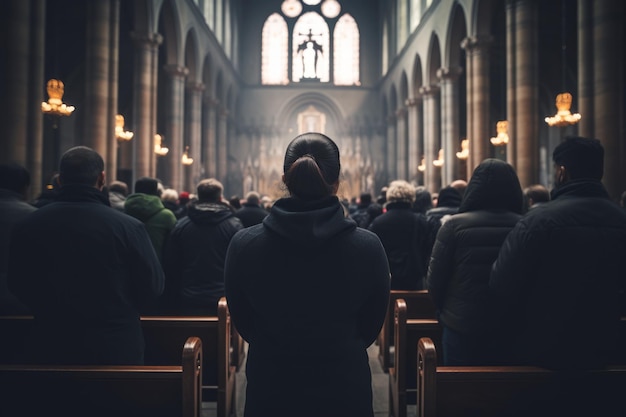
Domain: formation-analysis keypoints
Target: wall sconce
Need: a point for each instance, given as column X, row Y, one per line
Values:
column 439, row 161
column 563, row 116
column 422, row 166
column 464, row 150
column 55, row 105
column 121, row 134
column 158, row 149
column 186, row 160
column 502, row 138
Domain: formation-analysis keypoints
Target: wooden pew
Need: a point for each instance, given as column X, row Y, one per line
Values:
column 501, row 390
column 164, row 333
column 105, row 391
column 419, row 306
column 402, row 373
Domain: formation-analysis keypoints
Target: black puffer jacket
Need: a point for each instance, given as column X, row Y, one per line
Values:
column 559, row 276
column 468, row 244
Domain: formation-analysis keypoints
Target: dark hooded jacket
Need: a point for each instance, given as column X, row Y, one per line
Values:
column 308, row 290
column 468, row 244
column 194, row 259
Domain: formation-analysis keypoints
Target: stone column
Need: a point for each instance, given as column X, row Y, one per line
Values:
column 209, row 158
column 450, row 129
column 144, row 102
column 414, row 107
column 478, row 85
column 392, row 167
column 111, row 162
column 432, row 139
column 585, row 68
column 522, row 62
column 194, row 126
column 174, row 126
column 402, row 146
column 222, row 144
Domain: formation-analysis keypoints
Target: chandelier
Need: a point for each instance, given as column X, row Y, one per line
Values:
column 563, row 116
column 439, row 161
column 502, row 138
column 186, row 160
column 464, row 150
column 422, row 166
column 55, row 105
column 121, row 134
column 158, row 149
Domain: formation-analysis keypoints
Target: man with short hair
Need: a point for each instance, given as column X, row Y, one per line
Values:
column 360, row 215
column 559, row 276
column 251, row 212
column 195, row 253
column 85, row 271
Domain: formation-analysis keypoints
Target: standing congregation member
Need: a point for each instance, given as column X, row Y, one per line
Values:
column 84, row 270
column 251, row 212
column 308, row 290
column 465, row 248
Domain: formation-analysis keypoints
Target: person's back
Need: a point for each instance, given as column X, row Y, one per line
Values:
column 466, row 247
column 251, row 212
column 560, row 274
column 309, row 289
column 85, row 270
column 195, row 252
column 361, row 215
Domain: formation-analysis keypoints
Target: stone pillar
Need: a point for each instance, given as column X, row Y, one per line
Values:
column 111, row 162
column 414, row 107
column 174, row 126
column 432, row 138
column 522, row 62
column 402, row 146
column 585, row 68
column 222, row 144
column 209, row 158
column 478, row 129
column 144, row 110
column 194, row 126
column 450, row 129
column 99, row 123
column 392, row 167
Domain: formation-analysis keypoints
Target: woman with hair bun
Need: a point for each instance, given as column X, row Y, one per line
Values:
column 308, row 291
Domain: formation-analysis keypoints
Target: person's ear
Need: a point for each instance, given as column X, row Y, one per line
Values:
column 563, row 174
column 101, row 181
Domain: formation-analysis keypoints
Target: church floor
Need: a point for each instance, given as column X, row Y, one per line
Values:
column 380, row 387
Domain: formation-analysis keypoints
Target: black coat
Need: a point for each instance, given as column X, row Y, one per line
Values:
column 468, row 243
column 558, row 279
column 251, row 214
column 405, row 235
column 86, row 271
column 194, row 259
column 308, row 290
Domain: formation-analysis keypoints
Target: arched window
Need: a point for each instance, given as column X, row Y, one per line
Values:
column 346, row 53
column 274, row 51
column 310, row 48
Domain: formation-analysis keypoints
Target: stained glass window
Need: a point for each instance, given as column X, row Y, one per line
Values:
column 310, row 48
column 346, row 54
column 274, row 51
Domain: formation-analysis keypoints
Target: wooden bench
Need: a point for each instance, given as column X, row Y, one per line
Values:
column 402, row 373
column 105, row 391
column 419, row 306
column 514, row 390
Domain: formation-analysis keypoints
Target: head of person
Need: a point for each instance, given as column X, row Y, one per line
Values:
column 14, row 177
column 170, row 195
column 253, row 198
column 365, row 199
column 535, row 194
column 81, row 165
column 119, row 187
column 494, row 185
column 460, row 186
column 210, row 191
column 423, row 200
column 311, row 167
column 147, row 185
column 400, row 191
column 578, row 158
column 183, row 198
column 448, row 197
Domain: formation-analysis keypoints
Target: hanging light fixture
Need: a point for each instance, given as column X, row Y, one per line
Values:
column 158, row 149
column 563, row 116
column 464, row 150
column 55, row 105
column 502, row 128
column 121, row 134
column 422, row 166
column 439, row 161
column 186, row 160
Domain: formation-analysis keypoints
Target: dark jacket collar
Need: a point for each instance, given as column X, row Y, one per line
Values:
column 76, row 193
column 585, row 187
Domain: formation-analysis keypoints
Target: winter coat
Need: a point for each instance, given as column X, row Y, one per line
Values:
column 86, row 271
column 558, row 279
column 468, row 244
column 404, row 235
column 308, row 290
column 194, row 259
column 159, row 221
column 251, row 214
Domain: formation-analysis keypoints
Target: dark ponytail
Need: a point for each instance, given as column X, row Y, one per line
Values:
column 311, row 166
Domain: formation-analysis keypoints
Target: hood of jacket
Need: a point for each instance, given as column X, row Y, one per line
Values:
column 309, row 223
column 494, row 186
column 143, row 206
column 208, row 213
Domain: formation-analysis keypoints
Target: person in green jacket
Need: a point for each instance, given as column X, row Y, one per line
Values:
column 146, row 205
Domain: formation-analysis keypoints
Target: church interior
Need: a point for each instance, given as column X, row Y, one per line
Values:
column 421, row 90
